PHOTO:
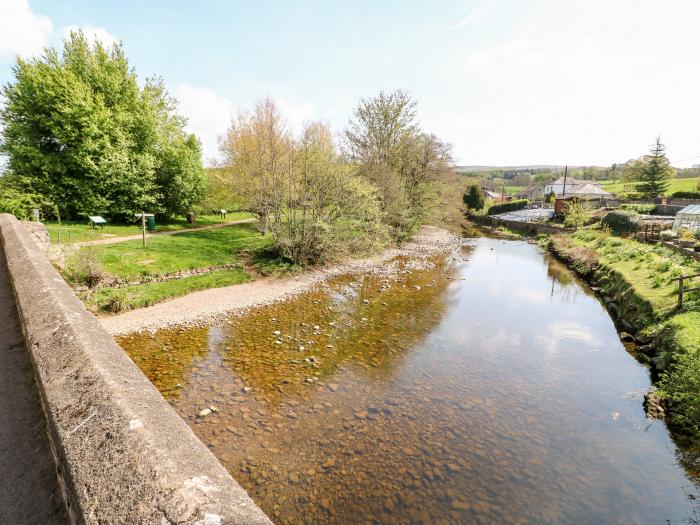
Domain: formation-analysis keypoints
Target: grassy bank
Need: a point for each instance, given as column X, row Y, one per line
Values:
column 636, row 281
column 240, row 245
column 674, row 185
column 80, row 231
column 142, row 295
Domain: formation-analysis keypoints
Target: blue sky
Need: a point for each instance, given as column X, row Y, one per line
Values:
column 503, row 81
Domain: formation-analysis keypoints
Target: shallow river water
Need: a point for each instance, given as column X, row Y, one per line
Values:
column 491, row 387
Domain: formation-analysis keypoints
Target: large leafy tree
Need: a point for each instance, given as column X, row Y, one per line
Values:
column 80, row 131
column 656, row 172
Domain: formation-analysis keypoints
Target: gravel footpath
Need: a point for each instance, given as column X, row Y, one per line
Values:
column 206, row 305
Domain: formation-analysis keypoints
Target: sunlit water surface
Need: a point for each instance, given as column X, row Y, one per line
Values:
column 491, row 388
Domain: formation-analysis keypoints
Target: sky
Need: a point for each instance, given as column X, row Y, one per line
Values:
column 506, row 82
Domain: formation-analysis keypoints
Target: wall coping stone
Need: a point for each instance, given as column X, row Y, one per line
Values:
column 123, row 454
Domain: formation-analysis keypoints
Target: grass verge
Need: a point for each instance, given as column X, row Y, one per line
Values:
column 637, row 280
column 142, row 295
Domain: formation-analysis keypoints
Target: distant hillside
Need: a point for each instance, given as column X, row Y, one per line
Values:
column 539, row 167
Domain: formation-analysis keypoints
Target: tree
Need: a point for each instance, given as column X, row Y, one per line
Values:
column 474, row 197
column 388, row 148
column 303, row 191
column 258, row 156
column 654, row 177
column 551, row 197
column 331, row 210
column 577, row 215
column 80, row 131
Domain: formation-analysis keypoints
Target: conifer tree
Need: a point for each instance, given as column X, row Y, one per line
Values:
column 656, row 173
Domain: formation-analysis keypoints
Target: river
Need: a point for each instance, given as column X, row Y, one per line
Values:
column 489, row 387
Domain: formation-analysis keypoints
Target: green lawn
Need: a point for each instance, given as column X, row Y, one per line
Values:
column 648, row 268
column 240, row 244
column 674, row 186
column 79, row 231
column 170, row 253
column 140, row 296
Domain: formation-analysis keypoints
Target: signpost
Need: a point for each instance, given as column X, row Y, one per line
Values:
column 143, row 216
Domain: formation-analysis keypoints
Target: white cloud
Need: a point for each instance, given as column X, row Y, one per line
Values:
column 579, row 82
column 296, row 115
column 92, row 34
column 208, row 116
column 474, row 14
column 22, row 32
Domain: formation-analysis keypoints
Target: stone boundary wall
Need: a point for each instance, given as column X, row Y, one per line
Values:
column 527, row 227
column 123, row 455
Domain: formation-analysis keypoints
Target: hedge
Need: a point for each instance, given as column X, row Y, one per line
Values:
column 508, row 206
column 686, row 195
column 621, row 221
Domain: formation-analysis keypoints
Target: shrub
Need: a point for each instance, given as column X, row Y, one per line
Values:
column 118, row 301
column 679, row 343
column 667, row 235
column 685, row 234
column 577, row 215
column 508, row 206
column 84, row 268
column 686, row 195
column 639, row 208
column 473, row 197
column 550, row 198
column 582, row 259
column 621, row 222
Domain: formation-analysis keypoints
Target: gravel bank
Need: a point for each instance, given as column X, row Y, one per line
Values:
column 207, row 305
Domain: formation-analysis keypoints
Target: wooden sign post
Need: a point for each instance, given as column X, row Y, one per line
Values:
column 143, row 226
column 143, row 216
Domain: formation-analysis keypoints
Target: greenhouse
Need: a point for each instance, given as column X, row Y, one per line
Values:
column 688, row 218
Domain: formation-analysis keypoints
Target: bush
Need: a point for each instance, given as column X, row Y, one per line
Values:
column 508, row 206
column 621, row 222
column 639, row 208
column 667, row 235
column 582, row 259
column 84, row 268
column 686, row 195
column 577, row 215
column 679, row 343
column 473, row 197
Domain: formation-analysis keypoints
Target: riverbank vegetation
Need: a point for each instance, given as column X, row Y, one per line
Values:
column 320, row 201
column 637, row 283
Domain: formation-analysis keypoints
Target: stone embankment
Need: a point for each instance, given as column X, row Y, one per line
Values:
column 122, row 453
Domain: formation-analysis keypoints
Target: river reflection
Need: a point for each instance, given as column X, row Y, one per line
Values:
column 488, row 388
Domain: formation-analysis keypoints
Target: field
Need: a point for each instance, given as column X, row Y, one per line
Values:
column 674, row 186
column 80, row 231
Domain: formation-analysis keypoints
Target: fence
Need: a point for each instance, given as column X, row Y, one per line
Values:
column 682, row 289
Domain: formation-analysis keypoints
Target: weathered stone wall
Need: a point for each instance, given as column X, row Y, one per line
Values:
column 123, row 454
column 40, row 233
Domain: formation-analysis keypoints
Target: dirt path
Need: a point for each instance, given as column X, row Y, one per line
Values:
column 113, row 240
column 29, row 491
column 207, row 304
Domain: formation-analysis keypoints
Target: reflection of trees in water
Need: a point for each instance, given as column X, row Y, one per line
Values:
column 688, row 455
column 166, row 357
column 396, row 319
column 564, row 283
